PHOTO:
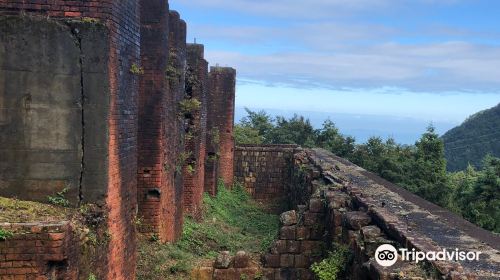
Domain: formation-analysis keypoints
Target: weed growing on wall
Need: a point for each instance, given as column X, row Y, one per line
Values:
column 136, row 69
column 189, row 105
column 332, row 267
column 59, row 198
column 5, row 234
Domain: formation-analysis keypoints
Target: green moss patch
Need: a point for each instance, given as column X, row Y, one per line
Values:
column 19, row 211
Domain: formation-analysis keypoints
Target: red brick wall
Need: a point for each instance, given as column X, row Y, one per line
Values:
column 154, row 182
column 194, row 169
column 39, row 251
column 61, row 8
column 122, row 20
column 264, row 170
column 176, row 126
column 220, row 116
column 122, row 181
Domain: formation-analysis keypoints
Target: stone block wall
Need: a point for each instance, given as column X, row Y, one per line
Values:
column 265, row 170
column 196, row 130
column 350, row 207
column 220, row 125
column 226, row 266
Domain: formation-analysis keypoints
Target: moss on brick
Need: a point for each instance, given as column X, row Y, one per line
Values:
column 19, row 211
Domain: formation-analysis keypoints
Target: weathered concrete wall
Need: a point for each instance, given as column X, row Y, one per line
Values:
column 176, row 123
column 41, row 131
column 265, row 170
column 196, row 130
column 220, row 124
column 154, row 182
column 49, row 112
column 108, row 96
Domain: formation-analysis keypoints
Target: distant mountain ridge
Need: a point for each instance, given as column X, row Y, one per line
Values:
column 471, row 141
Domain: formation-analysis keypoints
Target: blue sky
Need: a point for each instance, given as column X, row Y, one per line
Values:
column 430, row 60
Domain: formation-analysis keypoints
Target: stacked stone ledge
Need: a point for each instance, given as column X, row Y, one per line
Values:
column 328, row 216
column 229, row 267
column 300, row 243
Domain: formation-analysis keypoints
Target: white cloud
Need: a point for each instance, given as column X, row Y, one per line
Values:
column 340, row 48
column 446, row 66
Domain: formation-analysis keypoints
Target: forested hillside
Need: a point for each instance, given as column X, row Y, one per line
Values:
column 470, row 142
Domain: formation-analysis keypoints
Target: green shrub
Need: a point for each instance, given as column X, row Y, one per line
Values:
column 59, row 198
column 136, row 69
column 5, row 234
column 333, row 267
column 189, row 105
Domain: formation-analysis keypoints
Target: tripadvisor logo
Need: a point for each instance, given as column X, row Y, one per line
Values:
column 387, row 255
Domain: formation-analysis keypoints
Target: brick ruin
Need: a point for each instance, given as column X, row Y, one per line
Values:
column 220, row 124
column 106, row 102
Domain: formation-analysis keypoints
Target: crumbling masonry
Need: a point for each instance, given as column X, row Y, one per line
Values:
column 104, row 101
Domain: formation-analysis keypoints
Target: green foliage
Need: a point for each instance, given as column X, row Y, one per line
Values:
column 420, row 168
column 5, row 234
column 90, row 20
column 247, row 135
column 296, row 130
column 333, row 267
column 136, row 69
column 182, row 266
column 92, row 277
column 154, row 238
column 258, row 122
column 330, row 138
column 476, row 194
column 190, row 168
column 231, row 221
column 215, row 136
column 172, row 72
column 181, row 160
column 59, row 198
column 470, row 142
column 189, row 105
